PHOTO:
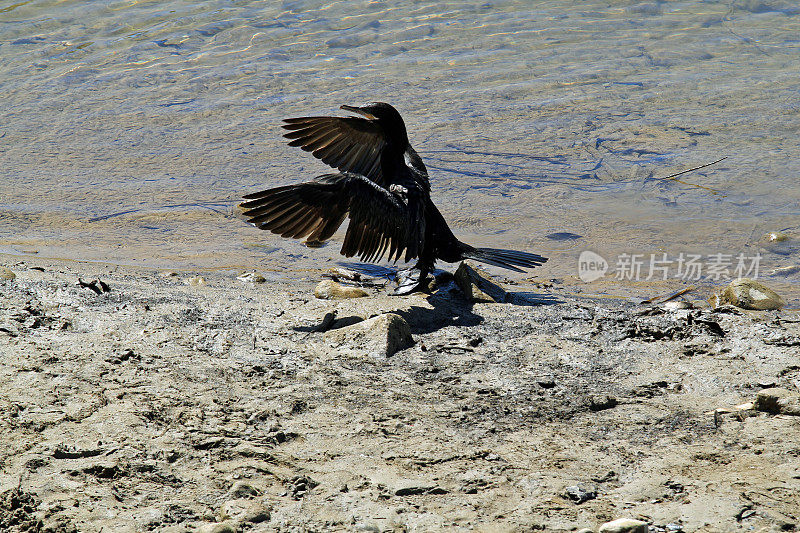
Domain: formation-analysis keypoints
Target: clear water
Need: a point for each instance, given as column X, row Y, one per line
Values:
column 130, row 129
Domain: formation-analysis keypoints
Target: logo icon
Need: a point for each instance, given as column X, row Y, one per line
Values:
column 591, row 266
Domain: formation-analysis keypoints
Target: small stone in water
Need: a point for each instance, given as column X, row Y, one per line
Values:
column 563, row 236
column 750, row 294
column 785, row 270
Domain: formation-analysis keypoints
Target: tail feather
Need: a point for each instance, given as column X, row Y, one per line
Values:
column 510, row 259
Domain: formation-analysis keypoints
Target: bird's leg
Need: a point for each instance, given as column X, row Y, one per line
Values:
column 412, row 279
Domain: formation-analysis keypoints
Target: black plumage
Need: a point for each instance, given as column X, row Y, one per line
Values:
column 382, row 186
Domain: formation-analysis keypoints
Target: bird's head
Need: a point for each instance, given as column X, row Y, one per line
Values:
column 385, row 115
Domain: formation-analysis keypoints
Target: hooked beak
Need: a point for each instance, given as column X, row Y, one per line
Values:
column 358, row 110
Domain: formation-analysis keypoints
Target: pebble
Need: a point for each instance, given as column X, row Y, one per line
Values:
column 624, row 525
column 243, row 490
column 676, row 305
column 477, row 287
column 330, row 290
column 750, row 294
column 384, row 334
column 602, row 402
column 168, row 274
column 224, row 527
column 6, row 274
column 251, row 277
column 195, row 281
column 778, row 401
column 585, row 530
column 256, row 514
column 580, row 493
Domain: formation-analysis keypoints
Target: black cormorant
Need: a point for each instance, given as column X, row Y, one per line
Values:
column 382, row 186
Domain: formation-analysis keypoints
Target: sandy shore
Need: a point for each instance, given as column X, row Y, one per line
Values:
column 168, row 406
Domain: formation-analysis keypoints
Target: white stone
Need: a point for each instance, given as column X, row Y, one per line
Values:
column 624, row 525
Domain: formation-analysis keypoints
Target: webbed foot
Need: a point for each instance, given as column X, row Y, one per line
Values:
column 410, row 280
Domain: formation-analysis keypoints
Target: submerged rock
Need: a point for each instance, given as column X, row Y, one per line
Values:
column 785, row 270
column 330, row 290
column 750, row 294
column 778, row 401
column 775, row 236
column 477, row 287
column 624, row 525
column 779, row 243
column 384, row 334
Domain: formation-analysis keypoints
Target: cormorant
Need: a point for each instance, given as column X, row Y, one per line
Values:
column 382, row 186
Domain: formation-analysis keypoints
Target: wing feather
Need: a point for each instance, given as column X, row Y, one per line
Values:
column 379, row 222
column 350, row 144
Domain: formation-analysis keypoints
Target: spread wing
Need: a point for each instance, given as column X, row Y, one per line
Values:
column 350, row 144
column 380, row 222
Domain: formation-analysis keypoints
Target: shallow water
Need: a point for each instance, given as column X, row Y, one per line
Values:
column 130, row 129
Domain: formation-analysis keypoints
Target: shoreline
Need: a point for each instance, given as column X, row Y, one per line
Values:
column 169, row 406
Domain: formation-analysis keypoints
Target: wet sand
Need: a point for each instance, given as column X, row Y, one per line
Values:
column 170, row 404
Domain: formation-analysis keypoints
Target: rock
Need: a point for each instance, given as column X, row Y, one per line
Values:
column 779, row 243
column 168, row 274
column 750, row 294
column 251, row 277
column 256, row 514
column 6, row 274
column 149, row 518
column 676, row 305
column 775, row 236
column 224, row 527
column 778, row 401
column 195, row 281
column 624, row 525
column 330, row 290
column 243, row 490
column 602, row 402
column 580, row 493
column 785, row 270
column 174, row 528
column 585, row 530
column 243, row 510
column 477, row 287
column 384, row 334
